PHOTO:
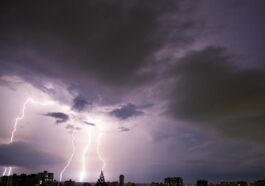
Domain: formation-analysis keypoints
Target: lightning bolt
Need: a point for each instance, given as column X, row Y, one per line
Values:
column 83, row 173
column 4, row 173
column 71, row 156
column 21, row 117
column 98, row 151
column 9, row 171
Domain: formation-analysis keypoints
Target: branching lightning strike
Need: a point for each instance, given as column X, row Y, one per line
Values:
column 98, row 152
column 8, row 170
column 4, row 173
column 83, row 173
column 21, row 117
column 70, row 158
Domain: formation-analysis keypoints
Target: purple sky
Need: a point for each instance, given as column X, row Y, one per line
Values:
column 148, row 89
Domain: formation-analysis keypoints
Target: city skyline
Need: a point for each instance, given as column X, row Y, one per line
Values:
column 46, row 178
column 151, row 89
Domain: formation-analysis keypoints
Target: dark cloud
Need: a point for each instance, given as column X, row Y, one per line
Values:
column 20, row 154
column 59, row 116
column 72, row 127
column 79, row 103
column 147, row 105
column 126, row 111
column 99, row 44
column 88, row 123
column 212, row 91
column 124, row 129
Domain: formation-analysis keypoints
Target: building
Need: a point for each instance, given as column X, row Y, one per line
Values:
column 101, row 180
column 41, row 179
column 86, row 184
column 121, row 180
column 131, row 184
column 233, row 183
column 69, row 183
column 260, row 183
column 173, row 181
column 202, row 183
column 156, row 184
column 242, row 183
column 45, row 178
column 113, row 183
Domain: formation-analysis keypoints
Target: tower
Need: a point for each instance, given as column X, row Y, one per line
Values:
column 121, row 182
column 101, row 180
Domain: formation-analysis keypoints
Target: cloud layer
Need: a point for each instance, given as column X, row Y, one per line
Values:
column 20, row 154
column 126, row 111
column 59, row 116
column 213, row 91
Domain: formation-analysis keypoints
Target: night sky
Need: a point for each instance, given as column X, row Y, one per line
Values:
column 144, row 88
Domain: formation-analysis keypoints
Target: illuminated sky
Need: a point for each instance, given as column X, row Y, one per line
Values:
column 147, row 89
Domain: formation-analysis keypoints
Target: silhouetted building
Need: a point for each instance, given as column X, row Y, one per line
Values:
column 131, row 184
column 121, row 180
column 174, row 181
column 41, row 179
column 260, row 183
column 202, row 183
column 101, row 180
column 69, row 183
column 156, row 184
column 113, row 183
column 233, row 183
column 45, row 178
column 86, row 184
column 242, row 183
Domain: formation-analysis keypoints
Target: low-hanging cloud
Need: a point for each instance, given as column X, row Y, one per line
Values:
column 59, row 116
column 105, row 46
column 20, row 154
column 89, row 123
column 79, row 103
column 213, row 92
column 126, row 111
column 124, row 129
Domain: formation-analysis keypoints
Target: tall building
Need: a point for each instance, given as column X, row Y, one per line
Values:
column 202, row 183
column 173, row 181
column 101, row 180
column 46, row 178
column 121, row 180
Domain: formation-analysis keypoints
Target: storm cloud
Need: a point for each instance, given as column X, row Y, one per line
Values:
column 89, row 123
column 214, row 91
column 103, row 46
column 79, row 103
column 19, row 154
column 126, row 111
column 181, row 76
column 59, row 116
